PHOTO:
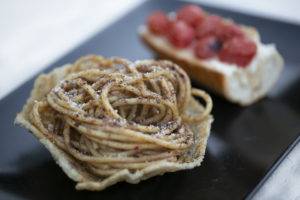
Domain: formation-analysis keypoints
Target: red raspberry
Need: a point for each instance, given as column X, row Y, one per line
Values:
column 191, row 14
column 229, row 30
column 238, row 50
column 207, row 47
column 158, row 23
column 180, row 34
column 209, row 26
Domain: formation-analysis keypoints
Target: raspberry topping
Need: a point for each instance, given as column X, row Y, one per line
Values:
column 209, row 26
column 228, row 31
column 158, row 23
column 209, row 35
column 191, row 14
column 207, row 47
column 238, row 50
column 180, row 34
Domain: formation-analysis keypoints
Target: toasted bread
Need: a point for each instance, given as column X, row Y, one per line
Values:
column 239, row 85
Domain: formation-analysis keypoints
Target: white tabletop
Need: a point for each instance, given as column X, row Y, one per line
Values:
column 36, row 33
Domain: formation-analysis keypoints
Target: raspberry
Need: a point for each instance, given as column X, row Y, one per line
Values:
column 191, row 14
column 180, row 34
column 158, row 23
column 228, row 31
column 209, row 26
column 238, row 50
column 207, row 47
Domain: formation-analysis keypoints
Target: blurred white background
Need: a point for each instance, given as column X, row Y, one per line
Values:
column 35, row 33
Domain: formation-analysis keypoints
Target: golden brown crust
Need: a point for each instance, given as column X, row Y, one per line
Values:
column 75, row 170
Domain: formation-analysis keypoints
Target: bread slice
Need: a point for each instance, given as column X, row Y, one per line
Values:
column 239, row 85
column 76, row 170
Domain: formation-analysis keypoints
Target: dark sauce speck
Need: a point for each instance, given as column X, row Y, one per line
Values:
column 216, row 46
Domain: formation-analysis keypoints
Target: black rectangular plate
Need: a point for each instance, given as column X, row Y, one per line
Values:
column 243, row 146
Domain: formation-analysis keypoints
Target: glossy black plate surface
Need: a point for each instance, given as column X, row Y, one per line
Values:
column 244, row 143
